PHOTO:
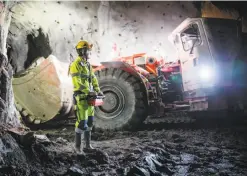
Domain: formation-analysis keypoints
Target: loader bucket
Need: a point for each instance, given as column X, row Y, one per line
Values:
column 44, row 91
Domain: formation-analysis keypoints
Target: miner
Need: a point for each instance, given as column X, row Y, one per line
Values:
column 85, row 84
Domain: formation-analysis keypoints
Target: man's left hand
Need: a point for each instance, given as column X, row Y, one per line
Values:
column 92, row 94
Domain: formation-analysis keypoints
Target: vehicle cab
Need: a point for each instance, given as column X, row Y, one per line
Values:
column 207, row 49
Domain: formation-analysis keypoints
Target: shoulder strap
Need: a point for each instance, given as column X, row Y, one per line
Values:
column 90, row 75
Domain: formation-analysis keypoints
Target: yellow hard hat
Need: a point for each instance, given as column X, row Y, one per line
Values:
column 83, row 44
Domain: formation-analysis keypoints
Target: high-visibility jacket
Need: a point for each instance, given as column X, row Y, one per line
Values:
column 82, row 72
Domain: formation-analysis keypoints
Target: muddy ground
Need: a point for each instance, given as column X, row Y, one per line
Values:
column 217, row 151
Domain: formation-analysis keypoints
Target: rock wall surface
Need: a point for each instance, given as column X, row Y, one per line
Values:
column 118, row 28
column 8, row 114
column 115, row 28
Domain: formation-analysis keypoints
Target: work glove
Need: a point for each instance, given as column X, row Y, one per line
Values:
column 92, row 94
column 100, row 93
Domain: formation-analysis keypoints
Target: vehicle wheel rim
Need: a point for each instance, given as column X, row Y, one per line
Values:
column 113, row 102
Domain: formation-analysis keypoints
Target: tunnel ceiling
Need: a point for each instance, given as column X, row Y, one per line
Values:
column 39, row 29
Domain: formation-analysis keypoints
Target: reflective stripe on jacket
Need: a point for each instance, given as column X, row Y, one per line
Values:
column 79, row 70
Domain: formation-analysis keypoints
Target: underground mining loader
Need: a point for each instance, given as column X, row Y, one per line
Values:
column 208, row 77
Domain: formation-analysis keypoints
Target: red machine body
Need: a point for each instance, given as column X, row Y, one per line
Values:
column 96, row 102
column 154, row 72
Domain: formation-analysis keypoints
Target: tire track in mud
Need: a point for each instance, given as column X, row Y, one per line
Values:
column 186, row 122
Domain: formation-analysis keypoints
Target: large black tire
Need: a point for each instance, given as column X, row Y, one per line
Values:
column 125, row 103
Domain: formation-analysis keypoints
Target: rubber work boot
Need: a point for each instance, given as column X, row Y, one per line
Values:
column 78, row 143
column 87, row 138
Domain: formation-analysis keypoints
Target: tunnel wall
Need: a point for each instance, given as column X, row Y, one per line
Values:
column 8, row 115
column 115, row 28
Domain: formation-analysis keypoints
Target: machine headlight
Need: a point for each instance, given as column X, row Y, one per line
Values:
column 207, row 73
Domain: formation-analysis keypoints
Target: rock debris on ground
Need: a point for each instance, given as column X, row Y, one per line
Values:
column 143, row 153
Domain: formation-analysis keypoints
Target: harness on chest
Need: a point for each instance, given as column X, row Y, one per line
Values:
column 92, row 98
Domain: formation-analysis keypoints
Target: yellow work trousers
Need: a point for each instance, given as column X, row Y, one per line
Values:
column 84, row 114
